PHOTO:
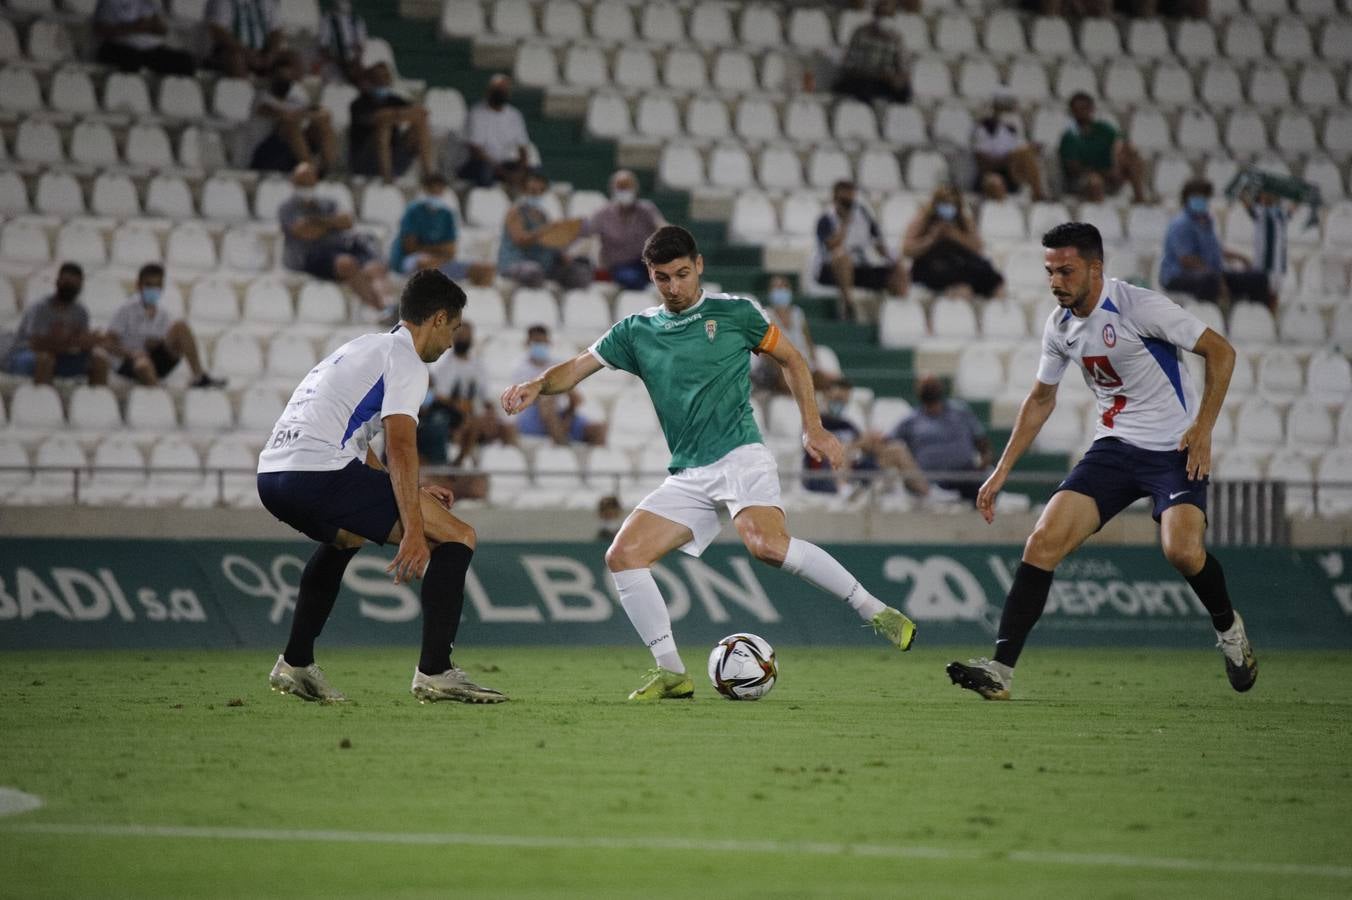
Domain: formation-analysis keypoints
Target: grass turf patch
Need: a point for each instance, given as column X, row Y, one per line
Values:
column 1114, row 773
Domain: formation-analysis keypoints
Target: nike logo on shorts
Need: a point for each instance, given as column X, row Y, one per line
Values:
column 1177, row 494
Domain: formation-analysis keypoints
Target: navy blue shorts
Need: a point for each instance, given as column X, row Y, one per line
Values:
column 358, row 499
column 1116, row 475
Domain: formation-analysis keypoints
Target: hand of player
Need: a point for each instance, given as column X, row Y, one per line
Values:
column 440, row 493
column 822, row 444
column 519, row 396
column 1197, row 441
column 411, row 560
column 985, row 498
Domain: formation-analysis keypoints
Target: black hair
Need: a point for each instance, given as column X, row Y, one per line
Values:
column 537, row 328
column 668, row 243
column 1192, row 187
column 1084, row 237
column 844, row 184
column 428, row 292
column 70, row 268
column 1078, row 96
column 435, row 177
column 150, row 270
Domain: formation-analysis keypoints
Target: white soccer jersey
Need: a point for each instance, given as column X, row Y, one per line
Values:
column 1130, row 353
column 338, row 407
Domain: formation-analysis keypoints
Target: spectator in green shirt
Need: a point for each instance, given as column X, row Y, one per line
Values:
column 1096, row 158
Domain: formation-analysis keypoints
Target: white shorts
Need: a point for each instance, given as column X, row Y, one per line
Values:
column 746, row 476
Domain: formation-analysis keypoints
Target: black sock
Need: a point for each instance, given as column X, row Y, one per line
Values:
column 1024, row 605
column 319, row 585
column 443, row 599
column 1210, row 587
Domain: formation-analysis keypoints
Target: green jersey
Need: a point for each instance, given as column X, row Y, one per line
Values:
column 696, row 367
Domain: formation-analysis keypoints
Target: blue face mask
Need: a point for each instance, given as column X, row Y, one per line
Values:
column 539, row 353
column 781, row 296
column 533, row 201
column 1198, row 206
column 836, row 408
column 151, row 295
column 946, row 211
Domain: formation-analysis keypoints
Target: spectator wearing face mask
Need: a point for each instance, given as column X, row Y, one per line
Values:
column 1001, row 149
column 554, row 416
column 945, row 249
column 496, row 138
column 946, row 440
column 766, row 374
column 150, row 343
column 622, row 225
column 460, row 411
column 1194, row 260
column 54, row 338
column 387, row 131
column 865, row 451
column 851, row 252
column 1270, row 217
column 293, row 130
column 428, row 235
column 533, row 246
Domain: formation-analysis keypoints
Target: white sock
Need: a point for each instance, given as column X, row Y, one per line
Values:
column 643, row 603
column 819, row 568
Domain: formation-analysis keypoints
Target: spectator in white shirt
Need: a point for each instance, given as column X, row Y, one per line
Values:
column 297, row 130
column 496, row 138
column 245, row 37
column 342, row 41
column 149, row 342
column 1000, row 148
column 132, row 37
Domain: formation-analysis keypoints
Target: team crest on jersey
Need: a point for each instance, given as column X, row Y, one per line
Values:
column 711, row 329
column 1109, row 335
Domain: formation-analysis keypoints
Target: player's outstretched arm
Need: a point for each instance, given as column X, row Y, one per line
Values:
column 557, row 379
column 817, row 441
column 1033, row 413
column 401, row 451
column 1220, row 364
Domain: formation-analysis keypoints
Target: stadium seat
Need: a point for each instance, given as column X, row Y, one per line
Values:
column 854, row 121
column 60, row 455
column 337, row 99
column 711, row 25
column 321, row 303
column 757, row 120
column 1335, row 476
column 805, row 121
column 150, row 410
column 810, row 29
column 180, row 97
column 660, row 23
column 446, row 109
column 681, row 166
column 148, row 145
column 82, row 243
column 754, row 219
column 926, row 170
column 385, row 203
column 535, row 306
column 612, row 21
column 759, row 26
column 213, row 302
column 1002, row 35
column 36, row 407
column 1309, row 427
column 1280, row 374
column 800, row 210
column 174, row 473
column 954, row 35
column 1027, row 81
column 635, row 68
column 224, row 199
column 267, row 301
column 828, row 165
column 586, row 312
column 169, row 196
column 259, row 408
column 1124, row 83
column 904, row 126
column 657, row 116
column 584, row 65
column 1301, row 324
column 512, row 18
column 93, row 144
column 463, row 18
column 628, row 303
column 510, row 477
column 953, row 318
column 1268, row 86
column 290, row 357
column 901, row 323
column 49, row 42
column 1051, row 38
column 126, row 92
column 981, row 374
column 72, row 91
column 1329, row 378
column 25, row 243
column 237, row 356
column 59, row 194
column 684, row 70
column 1002, row 223
column 879, row 170
column 1252, row 323
column 39, row 141
column 707, row 117
column 134, row 246
column 1100, row 40
column 931, row 79
column 1002, row 320
column 1220, row 88
column 1171, row 85
column 1149, row 131
column 1072, row 77
column 633, row 420
column 1259, row 424
column 208, row 411
column 1240, row 464
column 608, row 115
column 190, row 247
column 13, row 194
column 9, row 41
column 119, row 472
column 1064, row 430
column 486, row 207
column 484, row 307
column 952, row 124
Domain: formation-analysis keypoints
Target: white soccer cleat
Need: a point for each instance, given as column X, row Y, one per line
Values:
column 452, row 684
column 305, row 682
column 1240, row 665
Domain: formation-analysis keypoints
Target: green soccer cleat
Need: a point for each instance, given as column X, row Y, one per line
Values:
column 1240, row 665
column 664, row 684
column 305, row 682
column 896, row 627
column 453, row 684
column 981, row 676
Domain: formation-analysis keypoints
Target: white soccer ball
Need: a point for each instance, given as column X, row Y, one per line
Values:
column 743, row 667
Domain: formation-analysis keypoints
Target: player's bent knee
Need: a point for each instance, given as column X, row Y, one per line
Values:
column 1188, row 558
column 1045, row 549
column 622, row 558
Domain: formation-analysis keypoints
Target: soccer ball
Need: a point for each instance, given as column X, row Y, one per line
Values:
column 743, row 667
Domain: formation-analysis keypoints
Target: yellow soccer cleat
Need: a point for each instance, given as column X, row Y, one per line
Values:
column 896, row 627
column 664, row 684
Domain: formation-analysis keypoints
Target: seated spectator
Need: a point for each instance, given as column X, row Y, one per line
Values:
column 946, row 439
column 245, row 37
column 147, row 341
column 850, row 250
column 1270, row 217
column 496, row 138
column 54, row 337
column 610, row 516
column 131, row 37
column 874, row 67
column 622, row 225
column 388, row 132
column 865, row 451
column 945, row 248
column 555, row 416
column 766, row 374
column 319, row 240
column 533, row 247
column 427, row 238
column 1001, row 149
column 1194, row 260
column 297, row 130
column 460, row 411
column 1097, row 160
column 342, row 41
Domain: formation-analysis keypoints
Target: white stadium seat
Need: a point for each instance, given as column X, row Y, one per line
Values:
column 612, row 21
column 39, row 141
column 36, row 407
column 635, row 68
column 1259, row 424
column 59, row 194
column 684, row 70
column 661, row 22
column 150, row 409
column 1281, row 376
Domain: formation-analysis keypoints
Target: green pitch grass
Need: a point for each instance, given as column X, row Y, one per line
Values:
column 863, row 775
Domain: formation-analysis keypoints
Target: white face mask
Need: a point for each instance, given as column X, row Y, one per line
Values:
column 305, row 193
column 624, row 197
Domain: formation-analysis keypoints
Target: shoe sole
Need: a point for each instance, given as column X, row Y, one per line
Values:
column 427, row 695
column 957, row 673
column 688, row 695
column 294, row 688
column 1244, row 686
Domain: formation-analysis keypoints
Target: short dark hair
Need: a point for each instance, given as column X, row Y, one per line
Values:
column 70, row 268
column 667, row 243
column 844, row 184
column 428, row 292
column 539, row 329
column 1194, row 186
column 1084, row 237
column 150, row 270
column 1078, row 96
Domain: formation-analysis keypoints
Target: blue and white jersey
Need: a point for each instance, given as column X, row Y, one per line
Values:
column 337, row 409
column 1130, row 352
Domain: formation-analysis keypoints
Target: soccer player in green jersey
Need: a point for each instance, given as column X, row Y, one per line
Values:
column 693, row 354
